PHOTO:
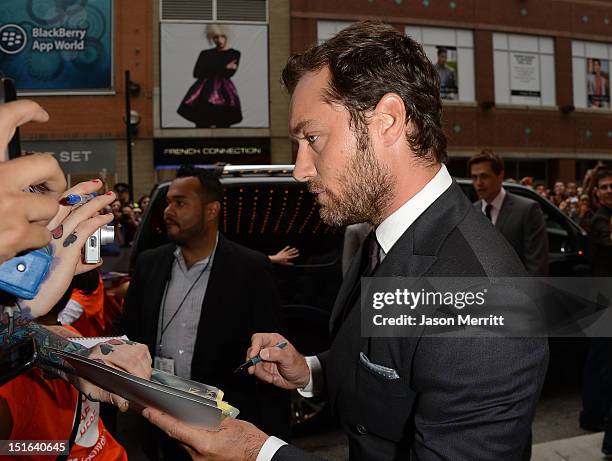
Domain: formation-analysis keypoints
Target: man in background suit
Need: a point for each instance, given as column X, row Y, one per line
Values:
column 601, row 226
column 519, row 219
column 597, row 378
column 197, row 301
column 366, row 115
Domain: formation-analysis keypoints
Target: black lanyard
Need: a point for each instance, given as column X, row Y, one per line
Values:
column 75, row 428
column 164, row 328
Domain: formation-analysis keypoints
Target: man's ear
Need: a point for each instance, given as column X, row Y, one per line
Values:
column 390, row 118
column 212, row 210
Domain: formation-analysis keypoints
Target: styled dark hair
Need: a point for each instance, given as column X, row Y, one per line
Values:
column 211, row 189
column 603, row 174
column 497, row 163
column 441, row 50
column 367, row 60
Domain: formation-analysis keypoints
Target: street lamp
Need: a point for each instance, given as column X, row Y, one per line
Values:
column 131, row 120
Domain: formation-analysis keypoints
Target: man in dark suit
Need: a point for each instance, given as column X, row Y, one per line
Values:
column 601, row 226
column 366, row 114
column 597, row 379
column 197, row 301
column 519, row 219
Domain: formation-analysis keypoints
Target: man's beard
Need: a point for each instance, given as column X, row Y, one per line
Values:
column 365, row 189
column 181, row 237
column 176, row 237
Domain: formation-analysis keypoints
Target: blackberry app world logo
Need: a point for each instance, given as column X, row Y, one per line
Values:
column 13, row 39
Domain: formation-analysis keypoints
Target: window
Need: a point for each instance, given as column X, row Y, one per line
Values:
column 524, row 69
column 591, row 73
column 452, row 52
column 327, row 29
column 214, row 10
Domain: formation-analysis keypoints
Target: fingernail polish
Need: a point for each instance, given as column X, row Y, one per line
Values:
column 110, row 192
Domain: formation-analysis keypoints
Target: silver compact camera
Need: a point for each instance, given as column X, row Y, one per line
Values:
column 103, row 236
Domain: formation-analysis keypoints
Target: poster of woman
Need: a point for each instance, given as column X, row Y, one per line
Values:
column 214, row 75
column 213, row 101
column 598, row 83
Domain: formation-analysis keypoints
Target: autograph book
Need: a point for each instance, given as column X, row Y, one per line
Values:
column 188, row 401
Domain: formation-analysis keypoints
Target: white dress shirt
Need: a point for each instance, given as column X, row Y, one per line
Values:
column 496, row 205
column 387, row 234
column 181, row 310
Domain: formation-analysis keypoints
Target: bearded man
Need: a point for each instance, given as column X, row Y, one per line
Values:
column 366, row 114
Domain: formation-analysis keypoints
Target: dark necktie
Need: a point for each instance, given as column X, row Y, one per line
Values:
column 373, row 254
column 488, row 209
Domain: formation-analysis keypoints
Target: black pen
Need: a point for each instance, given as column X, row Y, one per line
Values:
column 255, row 360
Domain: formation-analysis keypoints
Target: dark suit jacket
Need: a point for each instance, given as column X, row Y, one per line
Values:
column 601, row 245
column 522, row 222
column 457, row 398
column 241, row 299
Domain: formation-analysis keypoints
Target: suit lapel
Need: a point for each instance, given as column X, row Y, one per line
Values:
column 347, row 341
column 404, row 260
column 504, row 212
column 350, row 286
column 213, row 302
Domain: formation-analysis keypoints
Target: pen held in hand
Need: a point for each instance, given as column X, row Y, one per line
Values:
column 78, row 199
column 255, row 360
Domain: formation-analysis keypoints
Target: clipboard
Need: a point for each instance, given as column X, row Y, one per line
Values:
column 190, row 407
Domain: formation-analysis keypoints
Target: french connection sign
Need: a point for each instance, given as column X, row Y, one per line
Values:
column 50, row 46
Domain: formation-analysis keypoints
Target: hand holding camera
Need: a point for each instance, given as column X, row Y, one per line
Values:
column 31, row 221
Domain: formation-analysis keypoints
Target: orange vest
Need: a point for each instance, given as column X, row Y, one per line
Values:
column 44, row 409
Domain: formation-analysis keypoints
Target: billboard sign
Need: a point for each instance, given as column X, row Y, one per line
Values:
column 208, row 151
column 214, row 75
column 57, row 46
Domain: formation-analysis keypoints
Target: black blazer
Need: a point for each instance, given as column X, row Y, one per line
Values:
column 522, row 222
column 457, row 398
column 241, row 299
column 601, row 243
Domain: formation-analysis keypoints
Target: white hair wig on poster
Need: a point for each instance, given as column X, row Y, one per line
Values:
column 216, row 29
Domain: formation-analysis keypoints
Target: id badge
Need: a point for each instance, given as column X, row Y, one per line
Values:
column 164, row 364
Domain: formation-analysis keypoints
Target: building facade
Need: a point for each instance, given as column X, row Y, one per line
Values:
column 528, row 79
column 217, row 96
column 72, row 59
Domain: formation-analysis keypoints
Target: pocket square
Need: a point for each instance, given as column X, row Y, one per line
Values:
column 385, row 372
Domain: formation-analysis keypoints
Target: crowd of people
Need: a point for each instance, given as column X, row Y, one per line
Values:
column 127, row 215
column 576, row 199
